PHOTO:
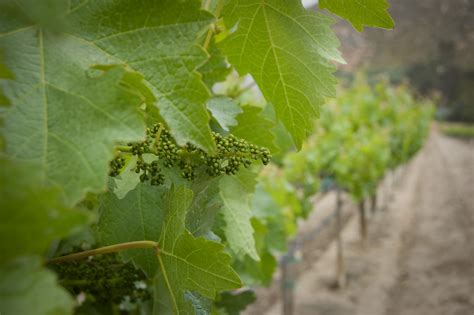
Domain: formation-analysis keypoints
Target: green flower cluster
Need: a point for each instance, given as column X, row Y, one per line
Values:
column 232, row 153
column 116, row 165
column 104, row 279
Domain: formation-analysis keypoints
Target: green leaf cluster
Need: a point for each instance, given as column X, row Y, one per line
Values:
column 365, row 133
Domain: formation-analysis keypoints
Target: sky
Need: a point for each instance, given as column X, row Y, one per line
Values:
column 309, row 3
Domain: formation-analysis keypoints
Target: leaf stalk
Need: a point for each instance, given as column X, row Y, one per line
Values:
column 212, row 27
column 105, row 250
column 123, row 148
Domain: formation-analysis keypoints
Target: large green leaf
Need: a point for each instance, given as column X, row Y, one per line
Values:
column 64, row 111
column 30, row 216
column 137, row 216
column 184, row 263
column 63, row 121
column 361, row 12
column 188, row 263
column 157, row 39
column 287, row 50
column 236, row 193
column 27, row 288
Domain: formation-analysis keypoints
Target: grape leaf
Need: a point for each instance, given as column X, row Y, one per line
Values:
column 187, row 263
column 255, row 128
column 235, row 303
column 184, row 263
column 59, row 112
column 259, row 272
column 157, row 39
column 206, row 202
column 361, row 12
column 30, row 215
column 135, row 217
column 236, row 193
column 49, row 15
column 287, row 50
column 224, row 110
column 27, row 288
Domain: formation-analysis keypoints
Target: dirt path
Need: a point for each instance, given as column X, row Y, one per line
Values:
column 419, row 258
column 437, row 259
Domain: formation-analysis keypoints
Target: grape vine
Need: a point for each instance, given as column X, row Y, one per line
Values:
column 83, row 80
column 104, row 279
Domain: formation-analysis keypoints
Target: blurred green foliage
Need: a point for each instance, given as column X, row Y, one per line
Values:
column 366, row 131
column 458, row 130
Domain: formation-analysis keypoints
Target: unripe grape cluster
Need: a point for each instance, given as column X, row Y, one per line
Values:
column 104, row 279
column 232, row 154
column 116, row 165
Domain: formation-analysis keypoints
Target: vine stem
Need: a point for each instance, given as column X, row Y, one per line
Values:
column 217, row 12
column 158, row 135
column 83, row 282
column 123, row 148
column 244, row 89
column 105, row 250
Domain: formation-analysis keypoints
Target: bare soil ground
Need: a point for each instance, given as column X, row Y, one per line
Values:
column 419, row 257
column 437, row 259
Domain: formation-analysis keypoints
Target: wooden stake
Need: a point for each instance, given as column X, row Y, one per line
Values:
column 341, row 268
column 362, row 222
column 373, row 203
column 287, row 284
